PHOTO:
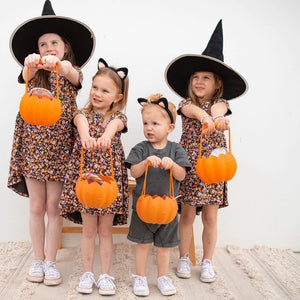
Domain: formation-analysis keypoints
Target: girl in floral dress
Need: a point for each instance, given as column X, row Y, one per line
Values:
column 202, row 80
column 40, row 154
column 99, row 126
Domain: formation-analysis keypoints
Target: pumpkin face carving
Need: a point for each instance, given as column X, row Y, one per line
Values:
column 95, row 195
column 96, row 191
column 40, row 107
column 214, row 169
column 156, row 209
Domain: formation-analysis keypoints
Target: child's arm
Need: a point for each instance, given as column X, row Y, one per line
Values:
column 218, row 110
column 104, row 142
column 178, row 172
column 82, row 125
column 195, row 112
column 32, row 62
column 139, row 169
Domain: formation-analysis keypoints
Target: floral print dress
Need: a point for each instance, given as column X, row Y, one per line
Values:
column 39, row 152
column 193, row 191
column 97, row 162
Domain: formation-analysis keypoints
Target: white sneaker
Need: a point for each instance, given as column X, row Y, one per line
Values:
column 36, row 272
column 207, row 271
column 184, row 267
column 166, row 286
column 86, row 283
column 52, row 275
column 140, row 287
column 106, row 285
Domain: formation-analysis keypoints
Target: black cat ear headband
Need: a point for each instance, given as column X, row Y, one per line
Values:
column 122, row 72
column 163, row 102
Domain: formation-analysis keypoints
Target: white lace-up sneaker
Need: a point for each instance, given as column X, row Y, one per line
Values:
column 184, row 267
column 86, row 283
column 166, row 286
column 207, row 271
column 140, row 287
column 52, row 276
column 36, row 272
column 106, row 285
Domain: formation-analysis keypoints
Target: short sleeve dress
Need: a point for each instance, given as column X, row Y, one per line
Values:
column 195, row 192
column 97, row 162
column 39, row 152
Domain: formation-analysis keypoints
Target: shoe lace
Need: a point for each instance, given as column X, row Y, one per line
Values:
column 86, row 278
column 106, row 281
column 50, row 269
column 37, row 266
column 206, row 266
column 140, row 281
column 185, row 263
column 165, row 281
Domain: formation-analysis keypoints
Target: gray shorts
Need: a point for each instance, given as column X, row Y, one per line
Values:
column 166, row 236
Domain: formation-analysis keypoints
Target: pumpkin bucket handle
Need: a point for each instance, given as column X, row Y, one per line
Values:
column 171, row 182
column 229, row 139
column 57, row 89
column 111, row 163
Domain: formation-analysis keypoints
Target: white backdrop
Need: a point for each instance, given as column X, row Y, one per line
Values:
column 261, row 41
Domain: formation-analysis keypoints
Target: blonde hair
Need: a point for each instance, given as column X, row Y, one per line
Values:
column 217, row 94
column 118, row 106
column 171, row 106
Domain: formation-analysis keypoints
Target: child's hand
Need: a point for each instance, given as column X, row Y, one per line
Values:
column 222, row 124
column 166, row 163
column 103, row 143
column 210, row 125
column 32, row 61
column 89, row 143
column 154, row 160
column 49, row 62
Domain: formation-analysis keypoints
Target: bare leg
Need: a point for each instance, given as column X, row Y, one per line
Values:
column 89, row 232
column 186, row 221
column 210, row 231
column 53, row 189
column 162, row 259
column 37, row 195
column 141, row 257
column 105, row 242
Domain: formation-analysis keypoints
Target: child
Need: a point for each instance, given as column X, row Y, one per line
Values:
column 99, row 126
column 203, row 80
column 159, row 120
column 40, row 154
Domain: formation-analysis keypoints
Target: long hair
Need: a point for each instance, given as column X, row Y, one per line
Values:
column 217, row 94
column 42, row 76
column 118, row 106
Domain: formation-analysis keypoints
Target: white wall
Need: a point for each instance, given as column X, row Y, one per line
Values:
column 261, row 41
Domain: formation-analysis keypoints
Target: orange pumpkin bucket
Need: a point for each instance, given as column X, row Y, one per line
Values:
column 214, row 169
column 96, row 191
column 156, row 209
column 40, row 107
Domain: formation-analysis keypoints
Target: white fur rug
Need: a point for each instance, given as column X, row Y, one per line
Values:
column 258, row 273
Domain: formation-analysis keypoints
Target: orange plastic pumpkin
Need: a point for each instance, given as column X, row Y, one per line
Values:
column 156, row 209
column 216, row 169
column 36, row 110
column 98, row 193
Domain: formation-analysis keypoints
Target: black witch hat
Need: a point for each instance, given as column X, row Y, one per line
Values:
column 179, row 70
column 24, row 39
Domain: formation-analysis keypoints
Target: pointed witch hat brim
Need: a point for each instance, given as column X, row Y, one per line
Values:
column 24, row 39
column 179, row 70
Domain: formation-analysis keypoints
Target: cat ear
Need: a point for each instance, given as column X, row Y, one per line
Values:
column 142, row 101
column 122, row 72
column 102, row 63
column 163, row 102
